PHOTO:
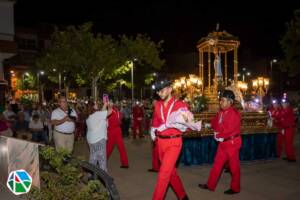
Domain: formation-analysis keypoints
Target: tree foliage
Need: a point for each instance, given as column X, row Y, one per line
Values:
column 27, row 82
column 143, row 50
column 290, row 44
column 99, row 59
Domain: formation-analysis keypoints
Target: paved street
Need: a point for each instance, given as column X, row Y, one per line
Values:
column 263, row 180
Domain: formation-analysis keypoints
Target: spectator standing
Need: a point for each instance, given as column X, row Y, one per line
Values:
column 63, row 118
column 36, row 127
column 97, row 134
column 125, row 110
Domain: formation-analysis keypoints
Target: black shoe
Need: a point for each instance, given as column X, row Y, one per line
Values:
column 230, row 191
column 291, row 160
column 284, row 158
column 185, row 198
column 126, row 167
column 152, row 170
column 203, row 186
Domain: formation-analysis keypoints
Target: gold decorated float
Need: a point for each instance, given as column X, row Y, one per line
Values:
column 252, row 123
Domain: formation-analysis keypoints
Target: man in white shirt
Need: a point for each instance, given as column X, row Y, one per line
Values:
column 63, row 118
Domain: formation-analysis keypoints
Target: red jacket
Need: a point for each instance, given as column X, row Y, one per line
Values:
column 114, row 119
column 137, row 112
column 158, row 117
column 227, row 123
column 287, row 118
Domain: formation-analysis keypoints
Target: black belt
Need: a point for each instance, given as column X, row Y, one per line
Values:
column 63, row 132
column 168, row 136
column 231, row 137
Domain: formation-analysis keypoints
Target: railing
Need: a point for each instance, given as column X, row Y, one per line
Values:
column 104, row 178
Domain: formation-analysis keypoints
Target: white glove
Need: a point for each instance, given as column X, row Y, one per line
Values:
column 152, row 133
column 282, row 132
column 218, row 139
column 215, row 136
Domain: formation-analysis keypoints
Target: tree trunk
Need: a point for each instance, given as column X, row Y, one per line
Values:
column 67, row 91
column 42, row 93
column 94, row 89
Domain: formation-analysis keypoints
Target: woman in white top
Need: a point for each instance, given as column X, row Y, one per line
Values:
column 97, row 134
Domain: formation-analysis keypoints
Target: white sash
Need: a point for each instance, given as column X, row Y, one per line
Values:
column 220, row 118
column 169, row 111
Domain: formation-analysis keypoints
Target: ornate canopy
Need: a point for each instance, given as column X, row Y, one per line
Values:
column 216, row 45
column 222, row 40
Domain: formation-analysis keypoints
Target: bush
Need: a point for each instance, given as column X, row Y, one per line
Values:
column 62, row 178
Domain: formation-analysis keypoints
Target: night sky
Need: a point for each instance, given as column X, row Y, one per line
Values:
column 179, row 23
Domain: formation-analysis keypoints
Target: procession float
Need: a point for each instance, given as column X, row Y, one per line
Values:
column 218, row 70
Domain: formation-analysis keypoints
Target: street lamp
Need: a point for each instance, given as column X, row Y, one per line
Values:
column 38, row 76
column 12, row 73
column 132, row 85
column 59, row 80
column 245, row 73
column 38, row 82
column 23, row 79
column 271, row 64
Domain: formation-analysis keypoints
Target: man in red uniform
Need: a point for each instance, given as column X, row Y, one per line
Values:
column 155, row 158
column 137, row 115
column 114, row 137
column 169, row 142
column 287, row 121
column 226, row 126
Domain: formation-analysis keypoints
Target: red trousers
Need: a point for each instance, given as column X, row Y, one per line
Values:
column 227, row 152
column 155, row 157
column 114, row 137
column 80, row 130
column 137, row 128
column 168, row 151
column 288, row 139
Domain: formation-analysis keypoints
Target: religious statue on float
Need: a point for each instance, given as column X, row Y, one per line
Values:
column 218, row 78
